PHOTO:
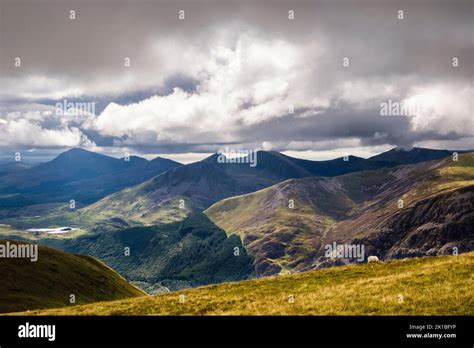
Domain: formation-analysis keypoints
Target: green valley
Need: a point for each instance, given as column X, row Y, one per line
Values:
column 178, row 255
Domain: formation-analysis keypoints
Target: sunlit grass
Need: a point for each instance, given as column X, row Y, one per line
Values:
column 422, row 286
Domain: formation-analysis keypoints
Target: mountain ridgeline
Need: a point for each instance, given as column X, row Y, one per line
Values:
column 194, row 187
column 75, row 174
column 414, row 155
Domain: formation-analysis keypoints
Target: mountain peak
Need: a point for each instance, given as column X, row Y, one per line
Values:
column 135, row 159
column 413, row 155
column 165, row 161
column 76, row 151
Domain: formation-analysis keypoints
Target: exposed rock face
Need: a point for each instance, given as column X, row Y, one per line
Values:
column 433, row 226
column 273, row 250
column 264, row 268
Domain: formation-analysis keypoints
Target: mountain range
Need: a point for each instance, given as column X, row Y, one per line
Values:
column 196, row 186
column 183, row 223
column 76, row 174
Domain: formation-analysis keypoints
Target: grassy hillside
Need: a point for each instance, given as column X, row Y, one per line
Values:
column 286, row 226
column 420, row 286
column 281, row 239
column 50, row 281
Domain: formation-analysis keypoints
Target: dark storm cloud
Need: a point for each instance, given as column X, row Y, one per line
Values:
column 106, row 31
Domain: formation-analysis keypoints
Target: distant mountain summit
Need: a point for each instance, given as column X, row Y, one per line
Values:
column 415, row 155
column 77, row 174
column 77, row 164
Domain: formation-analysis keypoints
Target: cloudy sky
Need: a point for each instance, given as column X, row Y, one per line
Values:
column 305, row 77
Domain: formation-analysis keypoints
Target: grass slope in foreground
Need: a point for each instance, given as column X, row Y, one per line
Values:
column 430, row 286
column 56, row 275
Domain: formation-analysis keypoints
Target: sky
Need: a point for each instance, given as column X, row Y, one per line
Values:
column 312, row 79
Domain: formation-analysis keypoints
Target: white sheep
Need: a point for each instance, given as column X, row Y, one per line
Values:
column 373, row 259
